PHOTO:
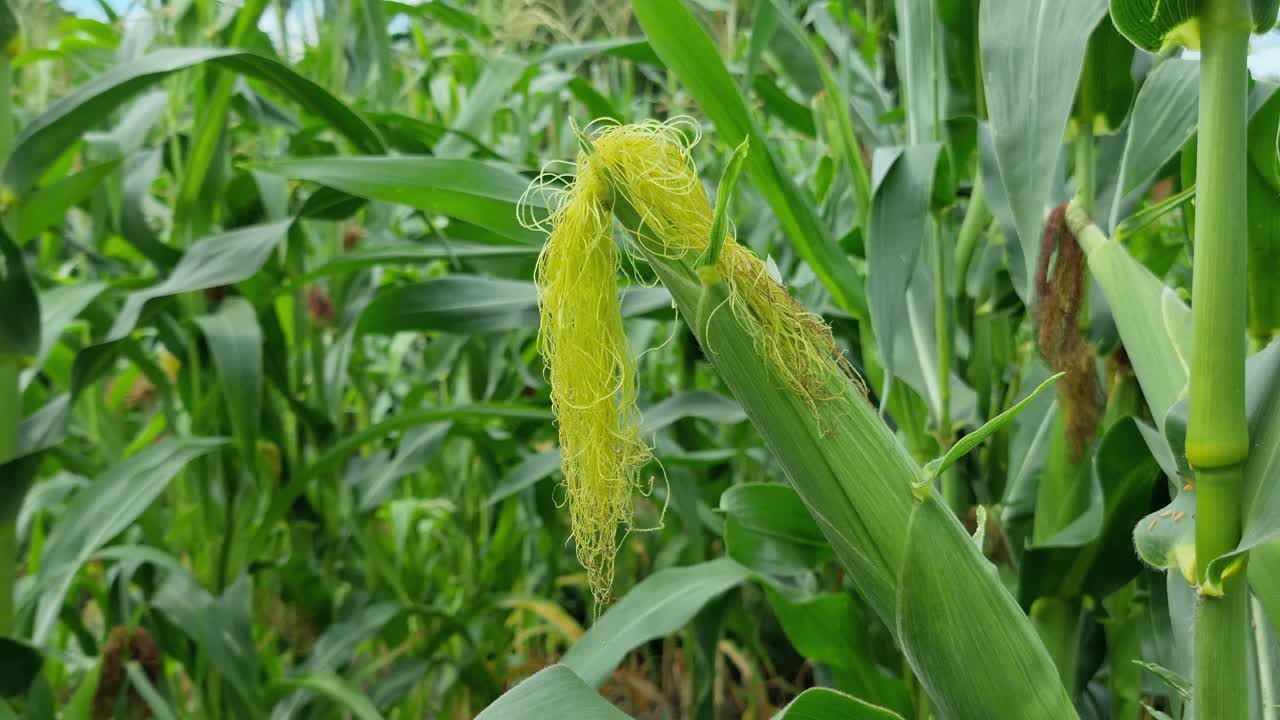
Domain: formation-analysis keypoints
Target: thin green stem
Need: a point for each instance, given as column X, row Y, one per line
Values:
column 1217, row 435
column 951, row 486
column 1084, row 141
column 976, row 218
column 10, row 413
column 1268, row 664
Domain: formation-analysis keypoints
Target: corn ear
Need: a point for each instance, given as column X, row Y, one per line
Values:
column 973, row 650
column 965, row 637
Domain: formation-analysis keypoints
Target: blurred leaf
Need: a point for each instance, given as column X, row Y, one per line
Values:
column 142, row 684
column 555, row 691
column 337, row 690
column 701, row 404
column 525, row 474
column 235, row 341
column 483, row 100
column 1264, row 220
column 59, row 307
column 20, row 663
column 9, row 27
column 659, row 605
column 338, row 644
column 455, row 303
column 220, row 626
column 20, row 322
column 1264, row 577
column 217, row 260
column 442, row 12
column 472, row 190
column 632, row 48
column 100, row 512
column 48, row 136
column 826, row 704
column 470, row 304
column 1032, row 49
column 689, row 52
column 47, row 206
column 376, row 479
column 1091, row 554
column 414, row 254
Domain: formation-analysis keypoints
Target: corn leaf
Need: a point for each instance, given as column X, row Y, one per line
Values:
column 1032, row 54
column 555, row 691
column 659, row 605
column 48, row 136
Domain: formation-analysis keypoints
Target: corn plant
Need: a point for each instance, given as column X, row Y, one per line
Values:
column 649, row 358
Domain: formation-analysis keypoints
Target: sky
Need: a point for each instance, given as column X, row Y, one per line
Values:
column 1264, row 61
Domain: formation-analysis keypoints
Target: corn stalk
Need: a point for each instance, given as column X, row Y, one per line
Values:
column 1217, row 434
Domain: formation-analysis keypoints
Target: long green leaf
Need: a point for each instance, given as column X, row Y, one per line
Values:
column 49, row 135
column 1032, row 54
column 555, row 691
column 659, row 605
column 477, row 192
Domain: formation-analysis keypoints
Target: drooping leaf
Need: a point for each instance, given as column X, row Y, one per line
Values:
column 332, row 686
column 659, row 605
column 555, row 691
column 825, row 703
column 480, row 193
column 49, row 135
column 223, row 259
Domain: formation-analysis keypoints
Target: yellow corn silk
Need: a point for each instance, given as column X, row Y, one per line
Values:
column 593, row 389
column 649, row 164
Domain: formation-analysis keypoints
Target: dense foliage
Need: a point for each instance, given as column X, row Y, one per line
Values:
column 278, row 437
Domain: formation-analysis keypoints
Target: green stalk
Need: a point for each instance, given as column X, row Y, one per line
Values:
column 976, row 218
column 10, row 412
column 951, row 486
column 1217, row 435
column 1084, row 142
column 10, row 397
